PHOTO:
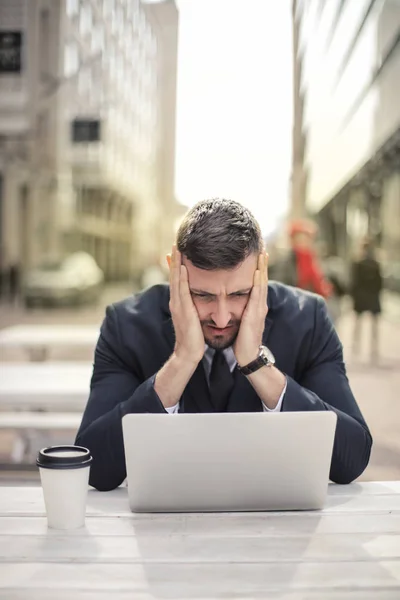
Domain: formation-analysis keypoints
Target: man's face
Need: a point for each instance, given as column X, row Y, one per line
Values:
column 220, row 298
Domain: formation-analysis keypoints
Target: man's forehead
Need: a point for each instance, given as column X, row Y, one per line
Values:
column 220, row 281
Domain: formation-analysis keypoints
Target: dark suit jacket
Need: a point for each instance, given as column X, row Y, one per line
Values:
column 137, row 338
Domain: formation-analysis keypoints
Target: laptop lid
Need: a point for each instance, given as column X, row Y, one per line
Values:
column 228, row 461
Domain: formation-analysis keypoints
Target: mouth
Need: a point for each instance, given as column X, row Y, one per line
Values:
column 219, row 330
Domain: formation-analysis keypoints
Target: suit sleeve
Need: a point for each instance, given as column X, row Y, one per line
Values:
column 115, row 390
column 324, row 386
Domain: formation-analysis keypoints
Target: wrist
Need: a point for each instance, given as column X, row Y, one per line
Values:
column 244, row 359
column 172, row 379
column 182, row 359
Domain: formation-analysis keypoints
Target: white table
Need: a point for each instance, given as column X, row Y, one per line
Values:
column 38, row 339
column 52, row 386
column 350, row 550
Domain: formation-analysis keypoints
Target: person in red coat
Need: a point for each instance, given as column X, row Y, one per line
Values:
column 309, row 275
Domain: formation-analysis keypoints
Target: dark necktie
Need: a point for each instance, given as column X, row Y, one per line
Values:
column 221, row 381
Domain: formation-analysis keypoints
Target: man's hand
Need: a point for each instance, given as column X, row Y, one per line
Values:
column 249, row 339
column 189, row 338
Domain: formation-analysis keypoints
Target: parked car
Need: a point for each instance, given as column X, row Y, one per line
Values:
column 74, row 280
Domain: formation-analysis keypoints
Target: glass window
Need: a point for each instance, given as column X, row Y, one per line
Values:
column 44, row 42
column 71, row 58
column 84, row 81
column 72, row 7
column 98, row 38
column 108, row 7
column 120, row 20
column 86, row 19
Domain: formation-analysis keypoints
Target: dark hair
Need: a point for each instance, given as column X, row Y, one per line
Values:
column 218, row 234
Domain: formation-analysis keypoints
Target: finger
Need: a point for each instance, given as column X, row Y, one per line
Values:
column 255, row 292
column 262, row 295
column 174, row 277
column 264, row 270
column 266, row 262
column 185, row 295
column 264, row 285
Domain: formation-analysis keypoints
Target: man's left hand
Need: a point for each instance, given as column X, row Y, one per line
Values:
column 249, row 339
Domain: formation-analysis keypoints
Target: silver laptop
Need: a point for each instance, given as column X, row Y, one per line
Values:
column 228, row 461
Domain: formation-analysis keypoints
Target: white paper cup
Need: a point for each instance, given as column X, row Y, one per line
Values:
column 64, row 473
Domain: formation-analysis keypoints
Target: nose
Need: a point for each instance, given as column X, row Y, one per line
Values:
column 221, row 315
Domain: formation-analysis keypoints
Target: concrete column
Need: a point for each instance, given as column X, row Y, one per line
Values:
column 10, row 215
column 390, row 215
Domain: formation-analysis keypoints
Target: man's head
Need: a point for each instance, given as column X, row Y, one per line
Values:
column 220, row 242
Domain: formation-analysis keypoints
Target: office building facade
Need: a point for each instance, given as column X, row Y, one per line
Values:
column 82, row 131
column 349, row 54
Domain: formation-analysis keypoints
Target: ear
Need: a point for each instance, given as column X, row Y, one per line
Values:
column 169, row 258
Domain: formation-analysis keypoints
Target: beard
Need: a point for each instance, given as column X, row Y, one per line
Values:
column 220, row 342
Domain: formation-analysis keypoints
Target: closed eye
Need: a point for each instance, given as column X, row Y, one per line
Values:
column 203, row 296
column 211, row 297
column 239, row 294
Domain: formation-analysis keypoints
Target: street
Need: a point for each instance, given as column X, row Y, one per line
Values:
column 375, row 385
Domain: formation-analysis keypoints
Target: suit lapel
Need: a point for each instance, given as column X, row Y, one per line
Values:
column 268, row 324
column 168, row 333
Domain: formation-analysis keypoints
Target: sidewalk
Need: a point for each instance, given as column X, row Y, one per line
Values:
column 376, row 388
column 391, row 306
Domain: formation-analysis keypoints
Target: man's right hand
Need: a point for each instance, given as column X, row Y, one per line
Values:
column 189, row 338
column 172, row 379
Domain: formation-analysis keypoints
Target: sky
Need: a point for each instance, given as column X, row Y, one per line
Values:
column 235, row 104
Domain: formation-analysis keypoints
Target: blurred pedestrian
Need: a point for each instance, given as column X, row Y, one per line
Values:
column 366, row 287
column 300, row 267
column 334, row 270
column 14, row 282
column 3, row 274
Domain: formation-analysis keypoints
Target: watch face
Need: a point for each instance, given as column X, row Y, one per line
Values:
column 266, row 353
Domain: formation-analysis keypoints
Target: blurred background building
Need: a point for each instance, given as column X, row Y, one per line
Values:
column 87, row 131
column 299, row 172
column 346, row 133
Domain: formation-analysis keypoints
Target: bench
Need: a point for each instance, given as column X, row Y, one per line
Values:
column 31, row 429
column 58, row 386
column 37, row 340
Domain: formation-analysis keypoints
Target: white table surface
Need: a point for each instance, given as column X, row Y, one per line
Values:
column 45, row 386
column 350, row 550
column 49, row 335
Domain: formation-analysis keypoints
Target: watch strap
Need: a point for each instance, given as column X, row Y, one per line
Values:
column 254, row 365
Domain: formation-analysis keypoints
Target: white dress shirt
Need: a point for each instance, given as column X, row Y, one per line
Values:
column 231, row 360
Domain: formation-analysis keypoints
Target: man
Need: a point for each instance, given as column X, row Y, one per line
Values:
column 194, row 346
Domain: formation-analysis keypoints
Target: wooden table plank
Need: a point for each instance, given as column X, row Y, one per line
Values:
column 31, row 503
column 46, row 594
column 350, row 550
column 34, row 335
column 197, row 549
column 268, row 524
column 194, row 580
column 45, row 386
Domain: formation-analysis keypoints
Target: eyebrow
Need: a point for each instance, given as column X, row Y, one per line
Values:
column 203, row 292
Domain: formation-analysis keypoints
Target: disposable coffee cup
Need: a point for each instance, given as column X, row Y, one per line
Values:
column 64, row 473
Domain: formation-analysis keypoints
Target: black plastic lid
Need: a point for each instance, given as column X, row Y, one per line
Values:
column 59, row 457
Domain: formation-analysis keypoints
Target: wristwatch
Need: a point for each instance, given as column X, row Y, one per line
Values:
column 265, row 358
